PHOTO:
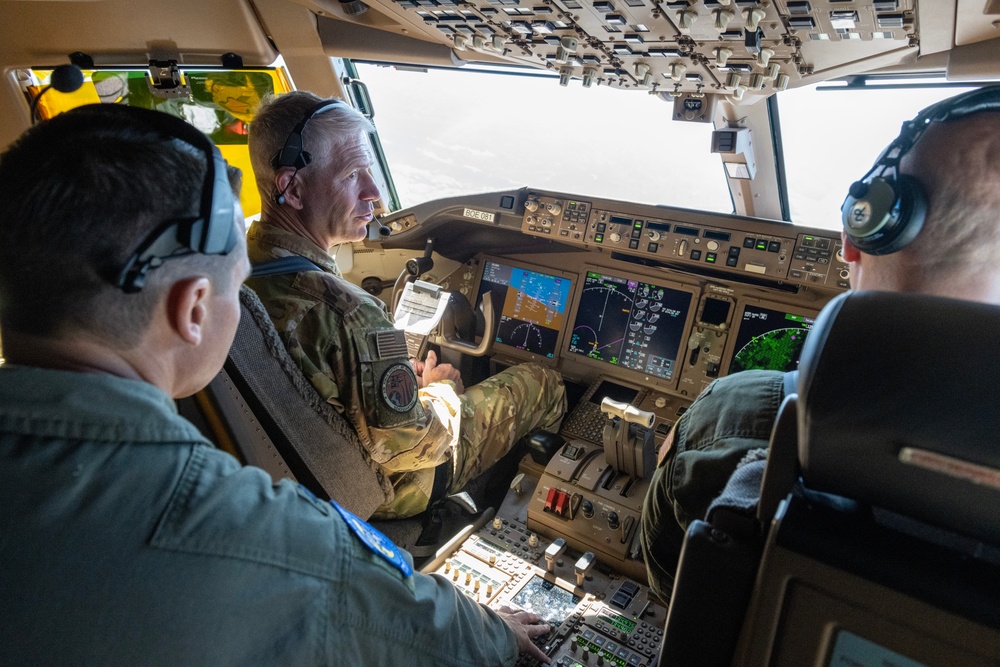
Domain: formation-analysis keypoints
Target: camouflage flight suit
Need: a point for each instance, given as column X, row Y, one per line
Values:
column 344, row 341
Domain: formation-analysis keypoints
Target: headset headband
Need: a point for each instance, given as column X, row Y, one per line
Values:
column 211, row 232
column 292, row 153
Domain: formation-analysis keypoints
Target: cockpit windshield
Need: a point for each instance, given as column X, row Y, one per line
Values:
column 832, row 134
column 619, row 144
column 452, row 132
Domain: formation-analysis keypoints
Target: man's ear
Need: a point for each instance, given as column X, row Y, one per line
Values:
column 850, row 253
column 187, row 308
column 288, row 187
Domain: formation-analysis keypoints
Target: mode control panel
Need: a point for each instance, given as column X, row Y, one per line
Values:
column 753, row 247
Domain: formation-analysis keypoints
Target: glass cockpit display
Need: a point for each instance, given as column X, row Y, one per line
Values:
column 531, row 306
column 769, row 339
column 630, row 323
column 547, row 600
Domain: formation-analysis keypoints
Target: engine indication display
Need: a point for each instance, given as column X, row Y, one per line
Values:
column 630, row 323
column 531, row 306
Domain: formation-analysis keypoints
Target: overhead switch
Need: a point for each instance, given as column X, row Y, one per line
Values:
column 722, row 18
column 753, row 16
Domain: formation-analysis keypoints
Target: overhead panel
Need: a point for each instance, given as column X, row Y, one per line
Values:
column 674, row 48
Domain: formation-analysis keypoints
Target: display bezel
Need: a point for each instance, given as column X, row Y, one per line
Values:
column 510, row 350
column 737, row 323
column 618, row 371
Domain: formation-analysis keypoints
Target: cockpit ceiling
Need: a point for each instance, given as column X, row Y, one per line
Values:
column 728, row 47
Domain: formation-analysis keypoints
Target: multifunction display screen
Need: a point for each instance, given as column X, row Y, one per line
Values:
column 530, row 306
column 630, row 323
column 769, row 339
column 547, row 600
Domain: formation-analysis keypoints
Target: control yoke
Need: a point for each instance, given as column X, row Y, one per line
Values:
column 428, row 314
column 446, row 336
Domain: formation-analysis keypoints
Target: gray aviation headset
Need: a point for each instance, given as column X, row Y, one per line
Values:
column 211, row 232
column 293, row 153
column 885, row 210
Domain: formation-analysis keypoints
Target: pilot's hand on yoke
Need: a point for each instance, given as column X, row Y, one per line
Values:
column 429, row 371
column 526, row 626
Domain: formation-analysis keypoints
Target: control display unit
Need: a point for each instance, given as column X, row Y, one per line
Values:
column 530, row 305
column 631, row 322
column 769, row 337
column 553, row 603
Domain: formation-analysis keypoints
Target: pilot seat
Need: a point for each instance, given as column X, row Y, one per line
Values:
column 875, row 537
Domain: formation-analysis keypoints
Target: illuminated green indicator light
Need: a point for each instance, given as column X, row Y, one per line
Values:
column 809, row 238
column 623, row 624
column 761, row 245
column 710, row 259
column 794, row 318
column 598, row 238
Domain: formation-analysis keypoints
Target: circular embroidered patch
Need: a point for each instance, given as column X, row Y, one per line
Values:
column 399, row 387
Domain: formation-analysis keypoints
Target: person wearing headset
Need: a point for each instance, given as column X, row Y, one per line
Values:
column 428, row 434
column 924, row 219
column 126, row 538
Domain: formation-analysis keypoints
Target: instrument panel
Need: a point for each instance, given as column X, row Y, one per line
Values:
column 666, row 299
column 639, row 308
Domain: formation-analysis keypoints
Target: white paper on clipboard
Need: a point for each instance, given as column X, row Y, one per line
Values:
column 421, row 308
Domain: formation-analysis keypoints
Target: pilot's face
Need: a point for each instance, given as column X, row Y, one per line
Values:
column 341, row 193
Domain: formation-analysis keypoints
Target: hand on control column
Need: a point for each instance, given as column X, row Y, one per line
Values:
column 526, row 626
column 429, row 371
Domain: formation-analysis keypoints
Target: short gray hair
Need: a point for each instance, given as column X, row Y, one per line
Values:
column 277, row 116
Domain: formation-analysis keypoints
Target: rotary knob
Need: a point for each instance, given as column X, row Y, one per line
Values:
column 616, row 237
column 653, row 235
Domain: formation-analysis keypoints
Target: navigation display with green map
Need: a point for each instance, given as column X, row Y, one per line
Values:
column 769, row 339
column 530, row 306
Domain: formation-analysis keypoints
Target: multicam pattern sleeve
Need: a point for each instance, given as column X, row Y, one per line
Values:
column 343, row 340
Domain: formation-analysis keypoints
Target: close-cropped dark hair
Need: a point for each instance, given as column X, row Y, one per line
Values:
column 78, row 194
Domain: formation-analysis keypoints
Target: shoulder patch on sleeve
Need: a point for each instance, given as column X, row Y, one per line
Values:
column 375, row 541
column 398, row 388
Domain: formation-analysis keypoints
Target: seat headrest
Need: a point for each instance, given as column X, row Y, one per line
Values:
column 899, row 407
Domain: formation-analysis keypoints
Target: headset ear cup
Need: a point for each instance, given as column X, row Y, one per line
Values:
column 883, row 215
column 867, row 209
column 912, row 214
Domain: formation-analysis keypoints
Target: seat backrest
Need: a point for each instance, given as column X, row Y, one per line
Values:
column 899, row 408
column 276, row 420
column 888, row 549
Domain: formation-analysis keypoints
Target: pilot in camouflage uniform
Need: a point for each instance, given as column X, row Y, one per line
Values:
column 344, row 341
